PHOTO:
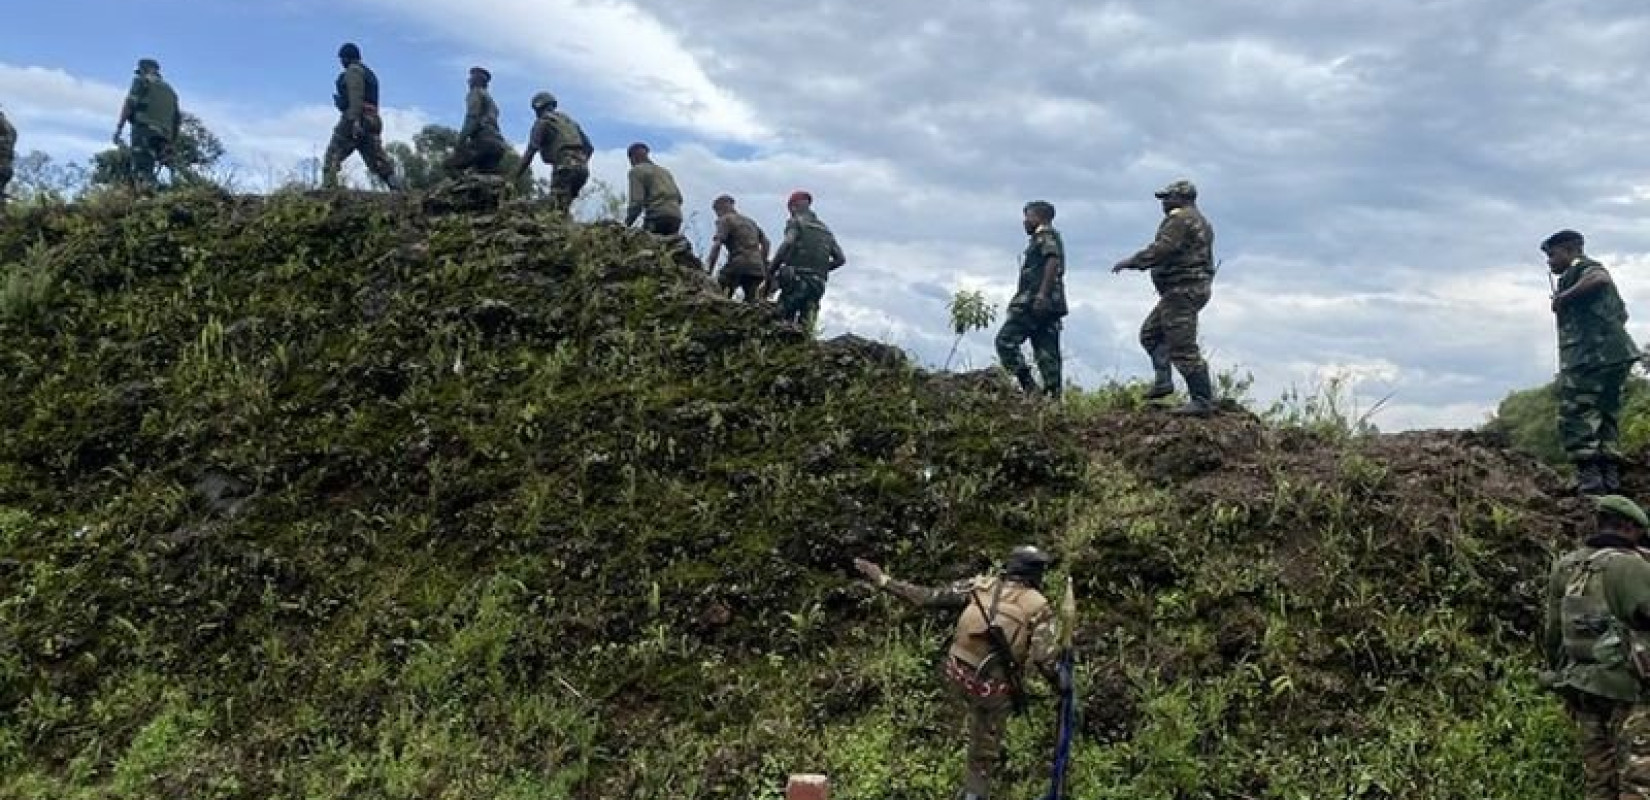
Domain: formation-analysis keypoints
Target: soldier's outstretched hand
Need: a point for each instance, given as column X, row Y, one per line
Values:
column 872, row 572
column 1119, row 267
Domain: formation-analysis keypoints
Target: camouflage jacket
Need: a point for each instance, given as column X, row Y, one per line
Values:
column 809, row 245
column 480, row 117
column 1045, row 245
column 560, row 141
column 1183, row 252
column 1592, row 330
column 1621, row 586
column 150, row 102
column 1041, row 649
column 653, row 192
column 744, row 241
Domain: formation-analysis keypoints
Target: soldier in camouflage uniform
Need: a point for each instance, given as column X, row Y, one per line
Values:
column 1597, row 613
column 1038, row 305
column 480, row 145
column 973, row 668
column 152, row 108
column 1181, row 261
column 359, row 127
column 654, row 197
column 747, row 248
column 8, row 153
column 560, row 143
column 1595, row 358
column 804, row 262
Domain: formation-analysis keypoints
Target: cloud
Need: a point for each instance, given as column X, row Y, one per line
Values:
column 618, row 46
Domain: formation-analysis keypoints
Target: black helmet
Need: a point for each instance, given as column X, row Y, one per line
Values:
column 349, row 52
column 1027, row 561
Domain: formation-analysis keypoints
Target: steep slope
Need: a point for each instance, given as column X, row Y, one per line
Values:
column 327, row 497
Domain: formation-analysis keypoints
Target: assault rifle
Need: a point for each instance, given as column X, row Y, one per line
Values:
column 1002, row 649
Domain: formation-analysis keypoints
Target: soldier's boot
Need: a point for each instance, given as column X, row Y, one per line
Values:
column 1028, row 384
column 1610, row 470
column 1163, row 383
column 1202, row 391
column 1589, row 477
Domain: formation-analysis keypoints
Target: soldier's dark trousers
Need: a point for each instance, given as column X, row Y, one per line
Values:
column 349, row 138
column 1589, row 411
column 565, row 185
column 149, row 151
column 1615, row 746
column 1172, row 325
column 1044, row 333
column 662, row 226
column 747, row 281
column 799, row 301
column 480, row 156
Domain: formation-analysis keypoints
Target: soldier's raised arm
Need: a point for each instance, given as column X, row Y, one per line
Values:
column 955, row 596
column 1173, row 236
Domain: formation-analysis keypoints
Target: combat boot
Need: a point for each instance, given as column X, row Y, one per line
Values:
column 1589, row 477
column 1163, row 383
column 1028, row 384
column 1202, row 391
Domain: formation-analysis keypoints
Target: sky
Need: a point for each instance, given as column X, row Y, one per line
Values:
column 1379, row 175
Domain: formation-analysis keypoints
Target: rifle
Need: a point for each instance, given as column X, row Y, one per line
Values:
column 1001, row 648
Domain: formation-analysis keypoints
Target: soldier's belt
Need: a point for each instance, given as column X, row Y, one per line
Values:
column 970, row 681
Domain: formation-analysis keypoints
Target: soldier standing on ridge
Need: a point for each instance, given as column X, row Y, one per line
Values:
column 561, row 143
column 1038, row 305
column 359, row 126
column 480, row 145
column 990, row 681
column 653, row 194
column 804, row 262
column 152, row 108
column 1595, row 356
column 1181, row 261
column 747, row 249
column 1597, row 617
column 8, row 153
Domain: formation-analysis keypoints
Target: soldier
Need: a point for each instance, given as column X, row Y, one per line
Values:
column 1038, row 304
column 747, row 249
column 561, row 143
column 152, row 108
column 1181, row 261
column 653, row 194
column 480, row 145
column 989, row 681
column 1595, row 356
column 359, row 126
column 1597, row 615
column 8, row 153
column 804, row 262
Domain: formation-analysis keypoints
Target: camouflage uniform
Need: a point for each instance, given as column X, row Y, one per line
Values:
column 8, row 153
column 152, row 108
column 1595, row 357
column 979, row 681
column 562, row 144
column 1025, row 323
column 481, row 144
column 1181, row 260
column 803, row 265
column 745, row 242
column 655, row 198
column 359, row 127
column 1599, row 591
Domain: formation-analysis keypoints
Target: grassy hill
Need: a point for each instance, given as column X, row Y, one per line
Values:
column 331, row 497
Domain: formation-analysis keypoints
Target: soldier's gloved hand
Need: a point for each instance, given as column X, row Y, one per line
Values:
column 1119, row 267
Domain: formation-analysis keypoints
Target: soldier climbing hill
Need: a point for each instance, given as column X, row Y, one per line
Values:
column 560, row 143
column 152, row 109
column 1038, row 305
column 359, row 127
column 481, row 144
column 1181, row 261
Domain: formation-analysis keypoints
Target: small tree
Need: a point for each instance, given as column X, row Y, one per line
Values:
column 970, row 311
column 38, row 179
column 197, row 150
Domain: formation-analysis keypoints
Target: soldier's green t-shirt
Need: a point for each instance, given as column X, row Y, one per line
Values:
column 560, row 141
column 653, row 191
column 743, row 240
column 1045, row 246
column 1626, row 591
column 1592, row 331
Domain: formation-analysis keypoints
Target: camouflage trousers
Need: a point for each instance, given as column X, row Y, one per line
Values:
column 1044, row 333
column 799, row 297
column 364, row 138
column 150, row 150
column 1171, row 328
column 987, row 724
column 565, row 185
column 1615, row 746
column 1589, row 410
column 481, row 156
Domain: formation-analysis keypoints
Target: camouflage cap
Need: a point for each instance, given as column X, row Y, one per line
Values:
column 1180, row 188
column 1564, row 237
column 543, row 99
column 1622, row 507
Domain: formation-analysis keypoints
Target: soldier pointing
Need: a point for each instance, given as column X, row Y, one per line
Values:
column 1181, row 262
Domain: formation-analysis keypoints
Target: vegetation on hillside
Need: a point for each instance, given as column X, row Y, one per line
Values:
column 322, row 497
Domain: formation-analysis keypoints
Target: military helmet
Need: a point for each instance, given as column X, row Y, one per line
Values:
column 349, row 51
column 543, row 100
column 1622, row 507
column 148, row 65
column 1183, row 189
column 1028, row 561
